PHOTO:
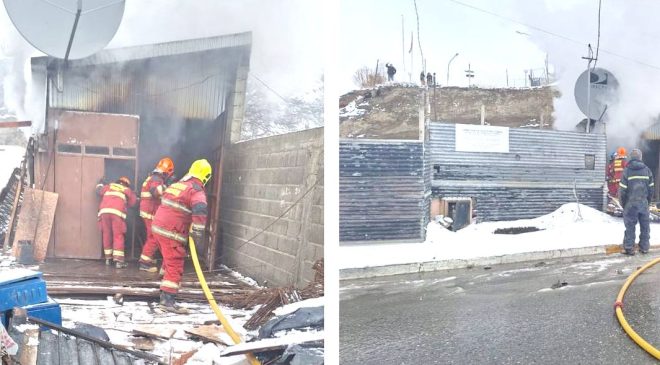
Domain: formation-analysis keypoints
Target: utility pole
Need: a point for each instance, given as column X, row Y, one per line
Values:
column 412, row 65
column 403, row 46
column 448, row 64
column 469, row 74
column 589, row 58
column 507, row 77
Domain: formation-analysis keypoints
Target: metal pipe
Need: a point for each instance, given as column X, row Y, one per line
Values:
column 73, row 31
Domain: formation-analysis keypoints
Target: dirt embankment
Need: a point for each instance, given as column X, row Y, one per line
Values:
column 392, row 112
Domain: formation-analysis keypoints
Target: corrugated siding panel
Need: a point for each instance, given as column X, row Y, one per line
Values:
column 534, row 178
column 193, row 86
column 124, row 54
column 383, row 192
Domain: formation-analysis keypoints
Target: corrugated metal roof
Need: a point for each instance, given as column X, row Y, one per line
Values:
column 652, row 133
column 124, row 54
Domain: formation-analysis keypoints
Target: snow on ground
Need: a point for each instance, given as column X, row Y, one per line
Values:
column 561, row 229
column 10, row 158
column 120, row 320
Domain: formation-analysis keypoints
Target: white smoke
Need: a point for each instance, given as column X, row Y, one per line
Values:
column 627, row 42
column 286, row 53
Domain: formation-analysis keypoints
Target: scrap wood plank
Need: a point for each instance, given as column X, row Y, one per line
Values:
column 272, row 343
column 157, row 332
column 212, row 333
column 185, row 357
column 35, row 221
column 141, row 343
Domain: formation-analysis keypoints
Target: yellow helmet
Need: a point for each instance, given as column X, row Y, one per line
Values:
column 201, row 169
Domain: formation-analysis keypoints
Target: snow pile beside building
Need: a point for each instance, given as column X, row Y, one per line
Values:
column 10, row 158
column 570, row 226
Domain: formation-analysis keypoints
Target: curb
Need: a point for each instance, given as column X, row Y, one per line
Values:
column 430, row 266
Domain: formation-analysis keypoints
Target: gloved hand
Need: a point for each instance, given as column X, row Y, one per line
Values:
column 170, row 180
column 198, row 236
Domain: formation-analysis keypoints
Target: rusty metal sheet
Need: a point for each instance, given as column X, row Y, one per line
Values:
column 90, row 235
column 90, row 139
column 97, row 129
column 67, row 224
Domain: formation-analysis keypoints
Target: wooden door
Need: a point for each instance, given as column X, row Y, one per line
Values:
column 84, row 142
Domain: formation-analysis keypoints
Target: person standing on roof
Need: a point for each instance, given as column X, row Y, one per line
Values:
column 182, row 212
column 391, row 71
column 422, row 78
column 429, row 79
column 635, row 194
column 115, row 199
column 615, row 171
column 152, row 190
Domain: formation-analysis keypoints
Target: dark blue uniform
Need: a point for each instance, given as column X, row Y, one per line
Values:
column 635, row 194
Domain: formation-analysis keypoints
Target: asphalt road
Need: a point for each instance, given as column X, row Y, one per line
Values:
column 508, row 314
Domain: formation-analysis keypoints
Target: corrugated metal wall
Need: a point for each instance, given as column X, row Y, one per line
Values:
column 383, row 193
column 535, row 177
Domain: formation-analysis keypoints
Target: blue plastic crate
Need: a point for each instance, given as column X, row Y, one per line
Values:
column 49, row 311
column 21, row 287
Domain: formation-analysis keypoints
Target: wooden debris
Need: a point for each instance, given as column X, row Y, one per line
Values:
column 211, row 333
column 157, row 332
column 184, row 358
column 269, row 344
column 275, row 298
column 35, row 221
column 143, row 344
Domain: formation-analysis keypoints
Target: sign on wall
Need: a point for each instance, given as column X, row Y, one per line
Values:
column 481, row 138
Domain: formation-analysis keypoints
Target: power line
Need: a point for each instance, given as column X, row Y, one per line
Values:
column 419, row 42
column 611, row 53
column 269, row 88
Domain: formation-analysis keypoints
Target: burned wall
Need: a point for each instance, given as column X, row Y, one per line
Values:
column 271, row 209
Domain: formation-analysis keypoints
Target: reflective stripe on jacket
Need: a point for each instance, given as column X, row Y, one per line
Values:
column 150, row 194
column 183, row 203
column 115, row 198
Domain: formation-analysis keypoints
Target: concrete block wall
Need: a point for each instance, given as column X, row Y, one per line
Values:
column 264, row 179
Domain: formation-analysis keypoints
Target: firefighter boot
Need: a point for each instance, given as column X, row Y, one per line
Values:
column 148, row 268
column 167, row 303
column 121, row 265
column 108, row 262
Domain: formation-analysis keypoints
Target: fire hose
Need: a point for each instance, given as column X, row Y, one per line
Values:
column 618, row 308
column 209, row 296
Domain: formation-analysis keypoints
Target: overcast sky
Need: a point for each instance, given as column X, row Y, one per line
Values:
column 286, row 52
column 487, row 35
column 371, row 30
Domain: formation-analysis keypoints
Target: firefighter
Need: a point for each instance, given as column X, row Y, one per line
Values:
column 635, row 194
column 116, row 198
column 615, row 171
column 182, row 212
column 152, row 189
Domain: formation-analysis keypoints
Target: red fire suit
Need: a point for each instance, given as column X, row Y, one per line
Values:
column 614, row 174
column 183, row 207
column 152, row 189
column 112, row 217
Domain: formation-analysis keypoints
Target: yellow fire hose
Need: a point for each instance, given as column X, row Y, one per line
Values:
column 218, row 313
column 618, row 308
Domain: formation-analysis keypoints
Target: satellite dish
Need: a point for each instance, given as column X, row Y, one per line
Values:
column 603, row 93
column 68, row 29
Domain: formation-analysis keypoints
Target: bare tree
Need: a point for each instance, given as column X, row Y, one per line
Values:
column 364, row 77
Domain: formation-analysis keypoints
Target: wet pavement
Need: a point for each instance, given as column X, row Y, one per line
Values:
column 552, row 312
